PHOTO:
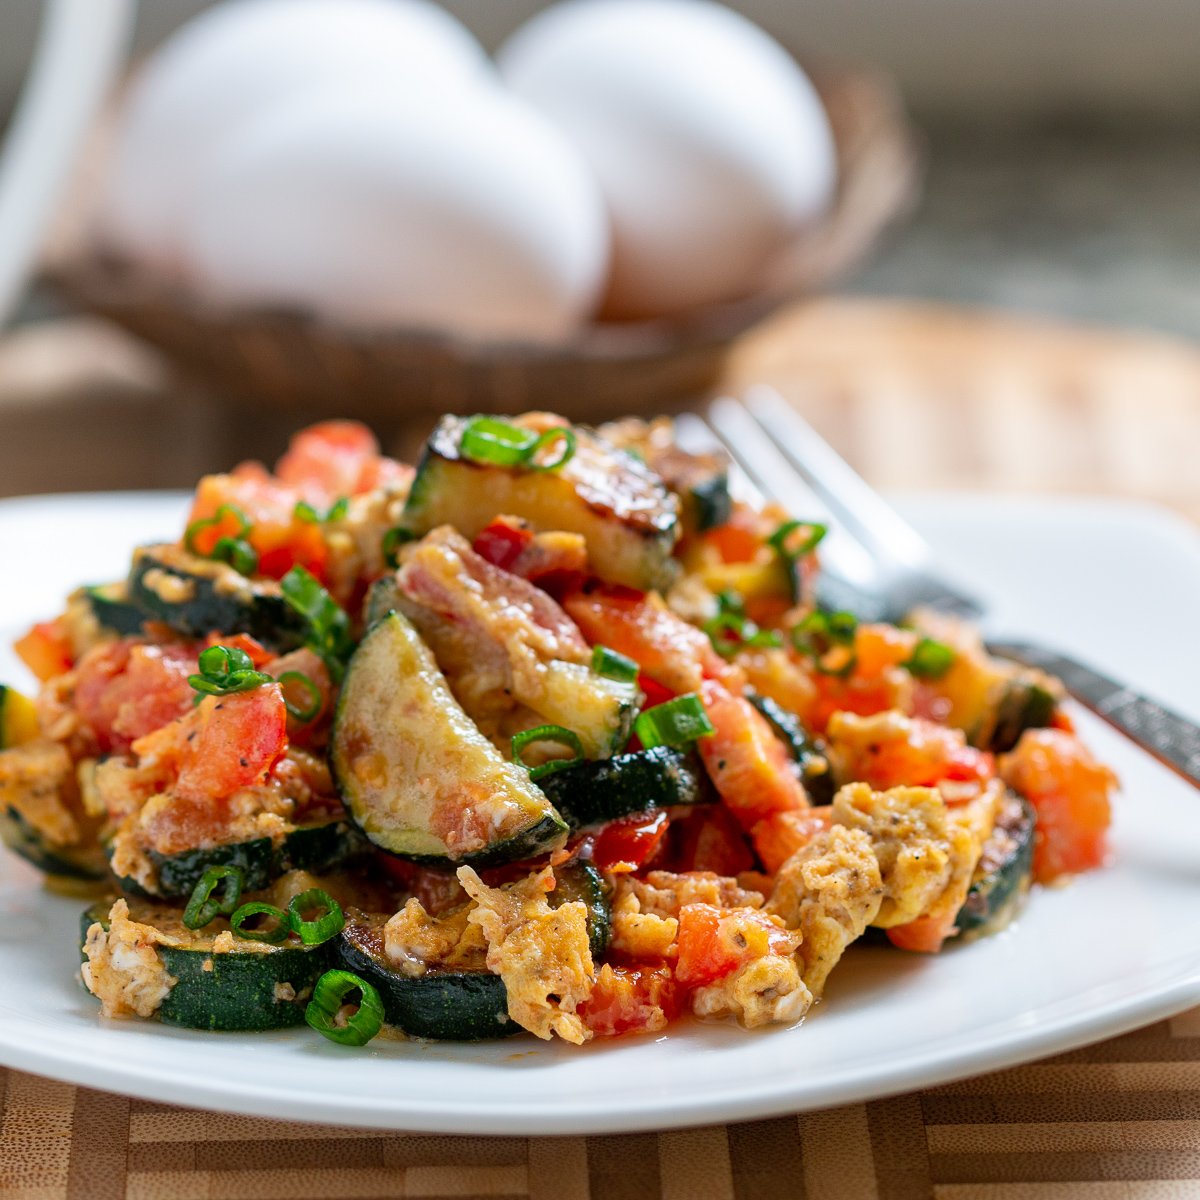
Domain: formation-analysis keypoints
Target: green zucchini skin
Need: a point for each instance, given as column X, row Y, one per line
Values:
column 594, row 793
column 1005, row 872
column 238, row 990
column 805, row 750
column 213, row 598
column 448, row 1006
column 708, row 503
column 1026, row 704
column 317, row 848
column 109, row 603
column 69, row 862
column 579, row 880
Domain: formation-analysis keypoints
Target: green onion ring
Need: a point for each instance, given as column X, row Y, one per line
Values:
column 315, row 702
column 328, row 998
column 329, row 924
column 611, row 665
column 547, row 733
column 930, row 659
column 487, row 440
column 569, row 445
column 678, row 722
column 780, row 539
column 202, row 908
column 256, row 908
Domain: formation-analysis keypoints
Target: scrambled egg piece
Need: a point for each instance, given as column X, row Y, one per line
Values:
column 123, row 969
column 765, row 989
column 38, row 781
column 640, row 935
column 414, row 940
column 663, row 893
column 830, row 890
column 541, row 953
column 910, row 833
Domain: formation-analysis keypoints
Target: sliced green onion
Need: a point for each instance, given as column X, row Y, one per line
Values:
column 547, row 733
column 225, row 670
column 202, row 908
column 329, row 632
column 298, row 679
column 791, row 547
column 747, row 634
column 238, row 553
column 564, row 434
column 319, row 929
column 612, row 665
column 196, row 527
column 930, row 659
column 392, row 541
column 488, row 440
column 828, row 639
column 330, row 997
column 311, row 516
column 271, row 934
column 675, row 723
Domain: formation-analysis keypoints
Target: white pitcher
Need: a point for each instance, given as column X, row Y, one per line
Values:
column 80, row 49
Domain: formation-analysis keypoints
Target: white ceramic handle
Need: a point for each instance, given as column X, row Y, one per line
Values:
column 80, row 48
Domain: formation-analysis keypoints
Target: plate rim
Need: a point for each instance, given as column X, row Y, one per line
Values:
column 59, row 1056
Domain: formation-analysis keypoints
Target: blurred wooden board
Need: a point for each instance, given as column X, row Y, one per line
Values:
column 916, row 396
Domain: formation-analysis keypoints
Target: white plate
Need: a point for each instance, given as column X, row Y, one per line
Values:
column 1119, row 948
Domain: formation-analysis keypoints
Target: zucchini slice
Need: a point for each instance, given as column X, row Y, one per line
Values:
column 415, row 773
column 253, row 986
column 109, row 603
column 622, row 508
column 1005, row 871
column 195, row 597
column 594, row 793
column 579, row 880
column 806, row 751
column 318, row 848
column 449, row 1006
column 41, row 818
column 18, row 718
column 1024, row 704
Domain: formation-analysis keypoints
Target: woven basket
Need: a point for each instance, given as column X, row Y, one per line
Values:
column 294, row 360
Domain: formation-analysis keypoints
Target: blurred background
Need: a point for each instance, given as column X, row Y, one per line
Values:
column 1024, row 316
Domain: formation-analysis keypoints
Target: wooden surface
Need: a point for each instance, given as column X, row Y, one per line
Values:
column 917, row 398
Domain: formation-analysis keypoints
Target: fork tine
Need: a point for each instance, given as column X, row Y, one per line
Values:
column 886, row 536
column 760, row 460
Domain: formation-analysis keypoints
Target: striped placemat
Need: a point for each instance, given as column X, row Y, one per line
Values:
column 1116, row 1121
column 917, row 397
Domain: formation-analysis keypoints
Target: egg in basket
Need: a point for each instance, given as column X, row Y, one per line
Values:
column 307, row 203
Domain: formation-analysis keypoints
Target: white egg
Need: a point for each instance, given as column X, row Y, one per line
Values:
column 234, row 60
column 711, row 146
column 379, row 207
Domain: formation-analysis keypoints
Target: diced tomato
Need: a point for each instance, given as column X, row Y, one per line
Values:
column 127, row 689
column 745, row 760
column 45, row 650
column 714, row 942
column 1070, row 792
column 502, row 540
column 436, row 890
column 710, row 839
column 668, row 649
column 627, row 844
column 327, row 461
column 236, row 741
column 925, row 935
column 309, row 664
column 281, row 539
column 910, row 752
column 778, row 837
column 639, row 998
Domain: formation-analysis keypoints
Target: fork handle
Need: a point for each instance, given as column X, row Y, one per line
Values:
column 1172, row 739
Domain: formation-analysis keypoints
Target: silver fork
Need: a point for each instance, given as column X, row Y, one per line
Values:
column 875, row 564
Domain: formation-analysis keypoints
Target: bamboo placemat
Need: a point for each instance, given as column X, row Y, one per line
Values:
column 918, row 397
